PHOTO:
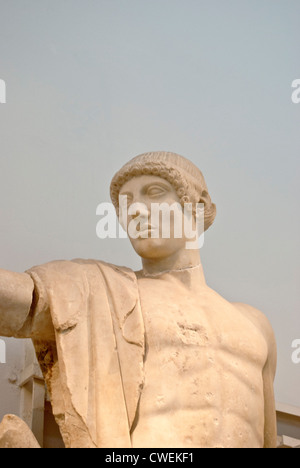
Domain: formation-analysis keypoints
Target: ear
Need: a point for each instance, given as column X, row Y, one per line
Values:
column 209, row 209
column 205, row 199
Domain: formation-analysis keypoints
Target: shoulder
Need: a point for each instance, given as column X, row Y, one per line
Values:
column 261, row 322
column 77, row 265
column 256, row 317
column 101, row 264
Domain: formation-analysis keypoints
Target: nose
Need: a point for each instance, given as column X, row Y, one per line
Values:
column 138, row 209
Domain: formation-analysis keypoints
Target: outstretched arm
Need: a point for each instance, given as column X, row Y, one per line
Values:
column 16, row 292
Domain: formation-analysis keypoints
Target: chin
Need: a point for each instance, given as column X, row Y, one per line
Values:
column 154, row 248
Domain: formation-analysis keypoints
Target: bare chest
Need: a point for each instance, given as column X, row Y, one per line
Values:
column 199, row 326
column 203, row 362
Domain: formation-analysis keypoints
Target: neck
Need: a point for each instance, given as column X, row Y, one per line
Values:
column 182, row 260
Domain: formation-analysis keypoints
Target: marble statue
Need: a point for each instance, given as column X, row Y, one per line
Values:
column 153, row 358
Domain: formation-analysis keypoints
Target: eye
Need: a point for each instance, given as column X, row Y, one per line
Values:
column 155, row 191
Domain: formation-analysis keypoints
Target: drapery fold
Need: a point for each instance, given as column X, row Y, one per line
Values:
column 94, row 366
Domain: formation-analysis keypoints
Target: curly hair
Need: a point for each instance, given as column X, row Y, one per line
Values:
column 182, row 174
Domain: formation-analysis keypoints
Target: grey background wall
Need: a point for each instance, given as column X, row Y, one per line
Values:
column 91, row 84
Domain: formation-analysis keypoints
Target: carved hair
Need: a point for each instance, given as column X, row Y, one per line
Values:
column 183, row 175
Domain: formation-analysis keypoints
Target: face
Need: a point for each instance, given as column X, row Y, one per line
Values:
column 152, row 233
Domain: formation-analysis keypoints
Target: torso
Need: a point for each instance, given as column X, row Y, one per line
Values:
column 203, row 369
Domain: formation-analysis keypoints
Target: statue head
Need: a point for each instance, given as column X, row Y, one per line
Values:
column 182, row 174
column 183, row 183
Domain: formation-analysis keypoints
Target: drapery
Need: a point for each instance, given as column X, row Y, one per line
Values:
column 91, row 351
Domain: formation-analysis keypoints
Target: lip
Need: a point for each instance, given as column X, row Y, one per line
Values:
column 149, row 230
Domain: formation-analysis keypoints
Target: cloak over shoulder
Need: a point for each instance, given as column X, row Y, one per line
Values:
column 93, row 358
